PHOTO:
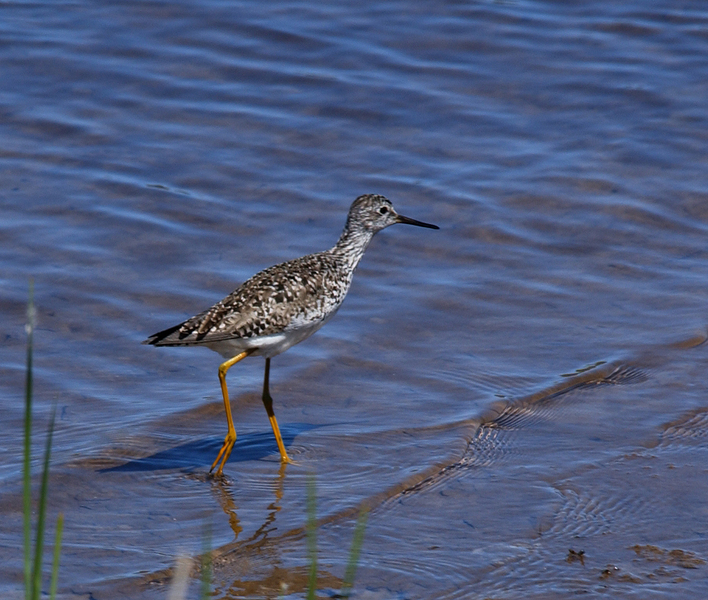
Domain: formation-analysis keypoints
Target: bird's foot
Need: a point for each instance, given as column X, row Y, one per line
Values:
column 224, row 454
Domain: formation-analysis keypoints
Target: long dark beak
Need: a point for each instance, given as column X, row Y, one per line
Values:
column 409, row 221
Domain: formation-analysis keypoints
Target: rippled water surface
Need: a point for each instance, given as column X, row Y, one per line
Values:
column 519, row 399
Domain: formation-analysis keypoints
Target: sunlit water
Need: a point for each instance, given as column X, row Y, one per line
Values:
column 519, row 399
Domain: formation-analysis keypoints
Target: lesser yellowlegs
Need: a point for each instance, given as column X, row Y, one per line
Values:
column 282, row 305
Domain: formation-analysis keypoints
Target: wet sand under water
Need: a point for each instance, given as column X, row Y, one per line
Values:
column 565, row 491
column 593, row 485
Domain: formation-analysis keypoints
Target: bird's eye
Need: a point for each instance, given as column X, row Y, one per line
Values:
column 383, row 210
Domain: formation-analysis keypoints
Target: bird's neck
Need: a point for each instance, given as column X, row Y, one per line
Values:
column 352, row 244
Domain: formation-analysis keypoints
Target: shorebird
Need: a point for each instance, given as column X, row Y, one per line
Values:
column 281, row 306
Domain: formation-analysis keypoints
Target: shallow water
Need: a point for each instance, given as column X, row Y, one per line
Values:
column 526, row 382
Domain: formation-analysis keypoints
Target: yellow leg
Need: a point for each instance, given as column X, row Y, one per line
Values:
column 268, row 403
column 230, row 438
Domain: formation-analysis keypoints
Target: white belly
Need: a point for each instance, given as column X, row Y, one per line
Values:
column 270, row 345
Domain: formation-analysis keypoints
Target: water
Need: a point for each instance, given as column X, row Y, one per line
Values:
column 527, row 381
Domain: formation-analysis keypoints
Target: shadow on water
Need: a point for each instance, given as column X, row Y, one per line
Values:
column 200, row 453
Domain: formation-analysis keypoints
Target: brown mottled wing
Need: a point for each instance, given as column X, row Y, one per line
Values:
column 265, row 304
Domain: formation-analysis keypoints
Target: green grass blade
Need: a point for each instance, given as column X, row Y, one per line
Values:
column 26, row 479
column 206, row 566
column 55, row 561
column 358, row 540
column 312, row 536
column 42, row 512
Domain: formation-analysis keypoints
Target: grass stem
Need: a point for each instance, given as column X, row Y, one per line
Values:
column 357, row 541
column 57, row 552
column 26, row 479
column 33, row 565
column 42, row 513
column 312, row 536
column 206, row 562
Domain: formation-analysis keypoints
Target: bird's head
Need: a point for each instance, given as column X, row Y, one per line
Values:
column 374, row 212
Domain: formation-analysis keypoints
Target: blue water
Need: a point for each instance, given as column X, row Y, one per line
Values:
column 156, row 154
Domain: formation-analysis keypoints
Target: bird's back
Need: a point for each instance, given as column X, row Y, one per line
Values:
column 300, row 294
